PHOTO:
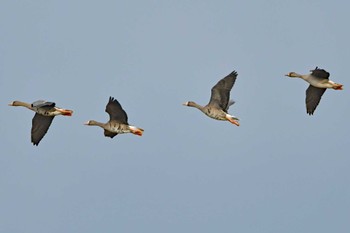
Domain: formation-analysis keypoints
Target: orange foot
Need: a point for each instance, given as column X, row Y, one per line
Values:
column 338, row 86
column 65, row 112
column 136, row 131
column 233, row 121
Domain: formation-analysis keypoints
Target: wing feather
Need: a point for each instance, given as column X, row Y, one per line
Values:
column 320, row 73
column 220, row 93
column 43, row 104
column 313, row 98
column 109, row 134
column 40, row 125
column 116, row 112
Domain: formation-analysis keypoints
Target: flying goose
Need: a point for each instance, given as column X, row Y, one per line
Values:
column 319, row 83
column 118, row 121
column 44, row 114
column 219, row 100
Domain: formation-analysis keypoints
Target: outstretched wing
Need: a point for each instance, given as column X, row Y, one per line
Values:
column 43, row 104
column 40, row 125
column 320, row 73
column 116, row 112
column 220, row 93
column 313, row 98
column 109, row 134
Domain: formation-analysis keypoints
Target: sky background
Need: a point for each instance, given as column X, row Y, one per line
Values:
column 280, row 171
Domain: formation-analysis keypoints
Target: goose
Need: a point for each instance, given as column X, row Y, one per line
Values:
column 118, row 121
column 44, row 113
column 219, row 101
column 319, row 82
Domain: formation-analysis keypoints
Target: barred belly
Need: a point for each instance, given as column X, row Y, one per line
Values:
column 43, row 112
column 120, row 129
column 215, row 115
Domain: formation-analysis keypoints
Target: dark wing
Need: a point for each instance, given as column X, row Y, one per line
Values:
column 320, row 73
column 43, row 104
column 116, row 112
column 220, row 93
column 109, row 134
column 40, row 125
column 313, row 97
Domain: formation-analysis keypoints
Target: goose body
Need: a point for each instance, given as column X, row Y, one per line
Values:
column 44, row 115
column 319, row 83
column 219, row 101
column 118, row 122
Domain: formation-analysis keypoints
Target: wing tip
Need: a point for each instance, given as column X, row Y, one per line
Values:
column 234, row 73
column 35, row 143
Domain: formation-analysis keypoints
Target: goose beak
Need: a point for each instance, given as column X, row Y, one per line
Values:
column 86, row 123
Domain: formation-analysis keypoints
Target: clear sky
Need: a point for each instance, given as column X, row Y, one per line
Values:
column 280, row 171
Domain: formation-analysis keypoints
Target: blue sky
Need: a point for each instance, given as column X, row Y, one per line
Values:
column 280, row 171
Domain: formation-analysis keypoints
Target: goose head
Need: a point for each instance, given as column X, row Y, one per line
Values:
column 190, row 104
column 16, row 103
column 90, row 122
column 12, row 103
column 292, row 75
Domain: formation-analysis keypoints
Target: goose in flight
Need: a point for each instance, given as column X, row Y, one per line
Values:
column 44, row 114
column 118, row 121
column 219, row 101
column 319, row 82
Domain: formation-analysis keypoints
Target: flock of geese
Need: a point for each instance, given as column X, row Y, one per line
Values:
column 217, row 108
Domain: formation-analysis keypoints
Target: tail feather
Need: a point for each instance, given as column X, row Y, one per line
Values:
column 230, row 102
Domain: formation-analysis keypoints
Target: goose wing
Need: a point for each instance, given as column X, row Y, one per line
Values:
column 116, row 112
column 220, row 93
column 320, row 73
column 43, row 104
column 109, row 134
column 40, row 125
column 313, row 97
